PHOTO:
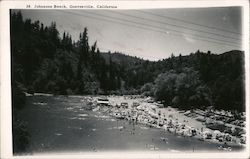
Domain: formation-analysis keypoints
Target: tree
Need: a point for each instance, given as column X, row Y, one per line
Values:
column 165, row 86
column 43, row 62
column 84, row 45
column 182, row 89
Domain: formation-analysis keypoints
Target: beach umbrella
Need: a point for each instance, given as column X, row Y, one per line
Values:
column 209, row 121
column 206, row 132
column 187, row 112
column 139, row 107
column 165, row 127
column 217, row 132
column 220, row 122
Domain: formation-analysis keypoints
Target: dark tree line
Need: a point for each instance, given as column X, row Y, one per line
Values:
column 42, row 61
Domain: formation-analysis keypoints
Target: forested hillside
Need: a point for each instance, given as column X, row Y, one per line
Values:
column 42, row 61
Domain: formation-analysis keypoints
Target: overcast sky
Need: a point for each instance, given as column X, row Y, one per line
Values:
column 151, row 34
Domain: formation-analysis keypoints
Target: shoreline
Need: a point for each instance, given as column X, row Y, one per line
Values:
column 170, row 114
column 174, row 115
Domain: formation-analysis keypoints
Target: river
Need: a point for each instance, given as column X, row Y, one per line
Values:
column 62, row 124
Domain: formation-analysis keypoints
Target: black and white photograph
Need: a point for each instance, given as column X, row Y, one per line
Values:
column 153, row 80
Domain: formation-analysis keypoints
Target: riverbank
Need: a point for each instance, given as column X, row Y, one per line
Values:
column 77, row 124
column 183, row 123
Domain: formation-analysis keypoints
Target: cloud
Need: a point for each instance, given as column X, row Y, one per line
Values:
column 189, row 39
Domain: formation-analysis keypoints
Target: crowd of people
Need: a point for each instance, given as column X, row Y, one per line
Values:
column 145, row 111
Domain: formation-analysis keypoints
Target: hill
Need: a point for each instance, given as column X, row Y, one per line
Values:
column 121, row 58
column 44, row 62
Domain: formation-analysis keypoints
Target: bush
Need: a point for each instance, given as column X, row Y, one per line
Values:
column 21, row 137
column 19, row 127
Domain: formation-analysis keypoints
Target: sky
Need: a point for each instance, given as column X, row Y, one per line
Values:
column 151, row 34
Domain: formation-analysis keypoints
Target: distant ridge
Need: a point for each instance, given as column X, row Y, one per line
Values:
column 121, row 58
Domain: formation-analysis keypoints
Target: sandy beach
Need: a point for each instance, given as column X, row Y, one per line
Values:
column 79, row 124
column 177, row 118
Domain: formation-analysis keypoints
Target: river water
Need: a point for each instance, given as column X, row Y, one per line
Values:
column 62, row 124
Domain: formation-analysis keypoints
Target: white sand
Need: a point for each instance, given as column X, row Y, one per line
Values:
column 177, row 116
column 170, row 113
